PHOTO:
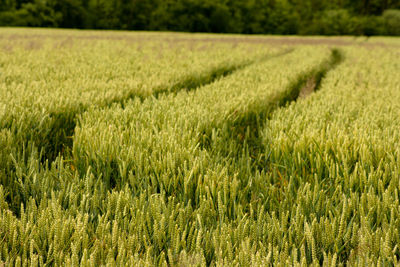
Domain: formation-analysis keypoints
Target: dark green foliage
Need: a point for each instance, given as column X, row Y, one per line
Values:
column 391, row 19
column 335, row 22
column 370, row 25
column 375, row 17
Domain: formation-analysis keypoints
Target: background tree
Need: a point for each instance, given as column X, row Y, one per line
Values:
column 330, row 17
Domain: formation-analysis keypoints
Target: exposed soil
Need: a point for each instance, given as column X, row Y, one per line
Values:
column 308, row 88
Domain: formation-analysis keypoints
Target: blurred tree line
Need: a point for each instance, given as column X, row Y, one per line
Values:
column 326, row 17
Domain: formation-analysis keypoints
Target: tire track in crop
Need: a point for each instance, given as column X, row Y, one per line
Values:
column 245, row 129
column 53, row 135
column 190, row 83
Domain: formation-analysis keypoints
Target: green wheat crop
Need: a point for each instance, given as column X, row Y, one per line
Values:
column 145, row 149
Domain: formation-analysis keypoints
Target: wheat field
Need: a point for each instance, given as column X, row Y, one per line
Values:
column 175, row 149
